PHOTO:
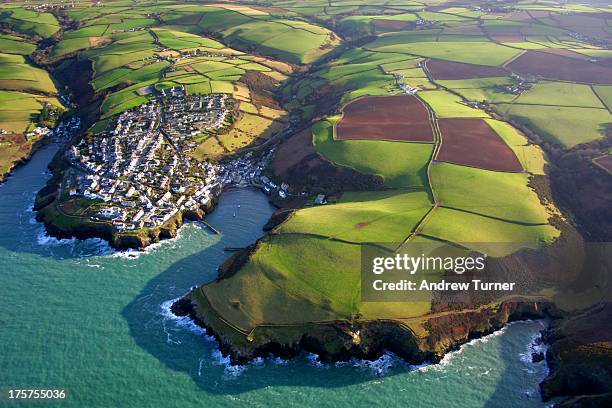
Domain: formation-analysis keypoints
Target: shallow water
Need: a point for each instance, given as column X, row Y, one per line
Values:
column 77, row 315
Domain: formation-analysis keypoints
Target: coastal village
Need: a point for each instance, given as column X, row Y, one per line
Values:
column 138, row 172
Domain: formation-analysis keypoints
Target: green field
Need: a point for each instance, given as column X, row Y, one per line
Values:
column 605, row 94
column 17, row 75
column 564, row 125
column 29, row 22
column 363, row 217
column 295, row 273
column 481, row 89
column 493, row 194
column 447, row 105
column 15, row 45
column 178, row 40
column 401, row 165
column 531, row 156
column 71, row 45
column 485, row 234
column 484, row 53
column 560, row 94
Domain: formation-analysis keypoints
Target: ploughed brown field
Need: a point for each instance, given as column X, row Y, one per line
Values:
column 397, row 117
column 472, row 142
column 559, row 67
column 456, row 70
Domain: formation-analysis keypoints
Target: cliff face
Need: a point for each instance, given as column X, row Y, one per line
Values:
column 337, row 341
column 580, row 359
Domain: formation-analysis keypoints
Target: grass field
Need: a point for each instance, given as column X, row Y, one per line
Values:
column 560, row 94
column 484, row 234
column 363, row 217
column 24, row 89
column 29, row 22
column 249, row 128
column 291, row 273
column 605, row 94
column 491, row 193
column 531, row 156
column 559, row 124
column 447, row 105
column 15, row 45
column 480, row 52
column 401, row 165
column 19, row 110
column 481, row 89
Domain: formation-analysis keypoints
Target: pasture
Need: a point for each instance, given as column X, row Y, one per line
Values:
column 385, row 217
column 506, row 196
column 401, row 165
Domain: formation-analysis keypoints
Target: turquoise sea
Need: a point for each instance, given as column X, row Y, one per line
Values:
column 79, row 316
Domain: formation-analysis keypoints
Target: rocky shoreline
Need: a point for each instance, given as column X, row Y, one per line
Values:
column 333, row 342
column 341, row 341
column 85, row 230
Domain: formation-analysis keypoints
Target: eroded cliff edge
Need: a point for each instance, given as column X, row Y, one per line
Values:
column 579, row 354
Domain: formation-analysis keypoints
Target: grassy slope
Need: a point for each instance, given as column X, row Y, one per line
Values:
column 401, row 165
column 481, row 52
column 558, row 123
column 476, row 232
column 447, row 105
column 298, row 279
column 491, row 193
column 363, row 217
column 560, row 94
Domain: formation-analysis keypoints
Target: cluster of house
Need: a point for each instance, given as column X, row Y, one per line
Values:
column 598, row 42
column 246, row 170
column 407, row 89
column 62, row 131
column 137, row 171
column 422, row 24
column 49, row 6
column 179, row 55
column 186, row 116
column 128, row 30
column 138, row 168
column 519, row 85
column 38, row 131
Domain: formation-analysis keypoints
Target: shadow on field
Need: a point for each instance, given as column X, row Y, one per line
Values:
column 192, row 353
column 196, row 355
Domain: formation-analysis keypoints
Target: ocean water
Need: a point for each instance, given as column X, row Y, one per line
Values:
column 80, row 316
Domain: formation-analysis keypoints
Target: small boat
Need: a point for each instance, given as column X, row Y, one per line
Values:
column 234, row 214
column 238, row 205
